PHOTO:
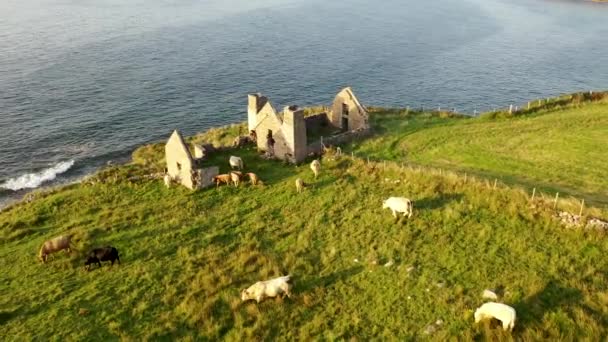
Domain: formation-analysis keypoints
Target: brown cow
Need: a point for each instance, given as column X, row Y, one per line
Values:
column 223, row 178
column 54, row 245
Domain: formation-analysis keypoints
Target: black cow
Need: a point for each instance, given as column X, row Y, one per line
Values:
column 97, row 255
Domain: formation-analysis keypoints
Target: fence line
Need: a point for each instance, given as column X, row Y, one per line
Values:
column 557, row 203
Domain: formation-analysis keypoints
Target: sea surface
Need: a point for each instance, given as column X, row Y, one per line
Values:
column 84, row 82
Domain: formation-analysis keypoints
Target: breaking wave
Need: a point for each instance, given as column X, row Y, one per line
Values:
column 33, row 180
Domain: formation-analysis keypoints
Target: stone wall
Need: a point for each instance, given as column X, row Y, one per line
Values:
column 179, row 160
column 316, row 122
column 357, row 114
column 205, row 176
column 288, row 132
column 337, row 139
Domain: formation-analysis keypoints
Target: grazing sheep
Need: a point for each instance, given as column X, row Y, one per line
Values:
column 399, row 205
column 235, row 177
column 167, row 180
column 253, row 178
column 97, row 255
column 236, row 162
column 300, row 185
column 223, row 178
column 54, row 245
column 269, row 288
column 315, row 166
column 502, row 312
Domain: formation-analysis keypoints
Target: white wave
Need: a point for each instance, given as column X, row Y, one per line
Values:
column 33, row 180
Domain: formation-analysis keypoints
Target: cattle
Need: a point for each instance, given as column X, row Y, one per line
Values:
column 253, row 178
column 97, row 255
column 235, row 177
column 236, row 162
column 315, row 166
column 502, row 312
column 268, row 289
column 54, row 245
column 223, row 178
column 399, row 205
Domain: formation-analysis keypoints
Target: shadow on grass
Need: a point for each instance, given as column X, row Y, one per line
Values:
column 7, row 315
column 430, row 203
column 328, row 280
column 553, row 296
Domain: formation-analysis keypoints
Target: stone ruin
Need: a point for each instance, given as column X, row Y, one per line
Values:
column 185, row 169
column 291, row 130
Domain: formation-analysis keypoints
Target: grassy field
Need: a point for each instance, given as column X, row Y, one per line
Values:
column 554, row 151
column 186, row 256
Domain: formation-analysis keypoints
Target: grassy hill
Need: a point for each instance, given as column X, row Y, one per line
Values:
column 186, row 255
column 555, row 151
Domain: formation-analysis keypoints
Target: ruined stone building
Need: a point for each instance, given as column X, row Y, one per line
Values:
column 185, row 169
column 290, row 129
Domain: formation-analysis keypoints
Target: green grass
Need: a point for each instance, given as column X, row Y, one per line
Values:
column 556, row 151
column 186, row 256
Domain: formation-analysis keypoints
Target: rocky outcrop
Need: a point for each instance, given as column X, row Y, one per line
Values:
column 575, row 221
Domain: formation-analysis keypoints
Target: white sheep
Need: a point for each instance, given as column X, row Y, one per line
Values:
column 399, row 205
column 315, row 166
column 300, row 185
column 502, row 312
column 269, row 288
column 236, row 162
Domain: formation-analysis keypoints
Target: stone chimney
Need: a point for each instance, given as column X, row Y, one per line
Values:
column 294, row 128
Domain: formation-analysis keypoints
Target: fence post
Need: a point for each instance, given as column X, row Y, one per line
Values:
column 475, row 112
column 580, row 213
column 533, row 193
column 495, row 180
column 528, row 104
column 465, row 177
column 556, row 199
column 510, row 109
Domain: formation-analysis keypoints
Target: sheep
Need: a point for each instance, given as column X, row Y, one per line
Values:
column 167, row 180
column 223, row 178
column 399, row 205
column 54, row 245
column 315, row 166
column 489, row 294
column 269, row 288
column 300, row 185
column 236, row 162
column 97, row 255
column 236, row 176
column 253, row 178
column 502, row 312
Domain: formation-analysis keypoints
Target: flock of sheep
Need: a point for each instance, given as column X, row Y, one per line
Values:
column 281, row 285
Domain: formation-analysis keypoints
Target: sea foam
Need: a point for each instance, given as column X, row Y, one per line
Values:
column 33, row 180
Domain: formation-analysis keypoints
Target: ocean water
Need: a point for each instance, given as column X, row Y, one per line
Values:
column 84, row 82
